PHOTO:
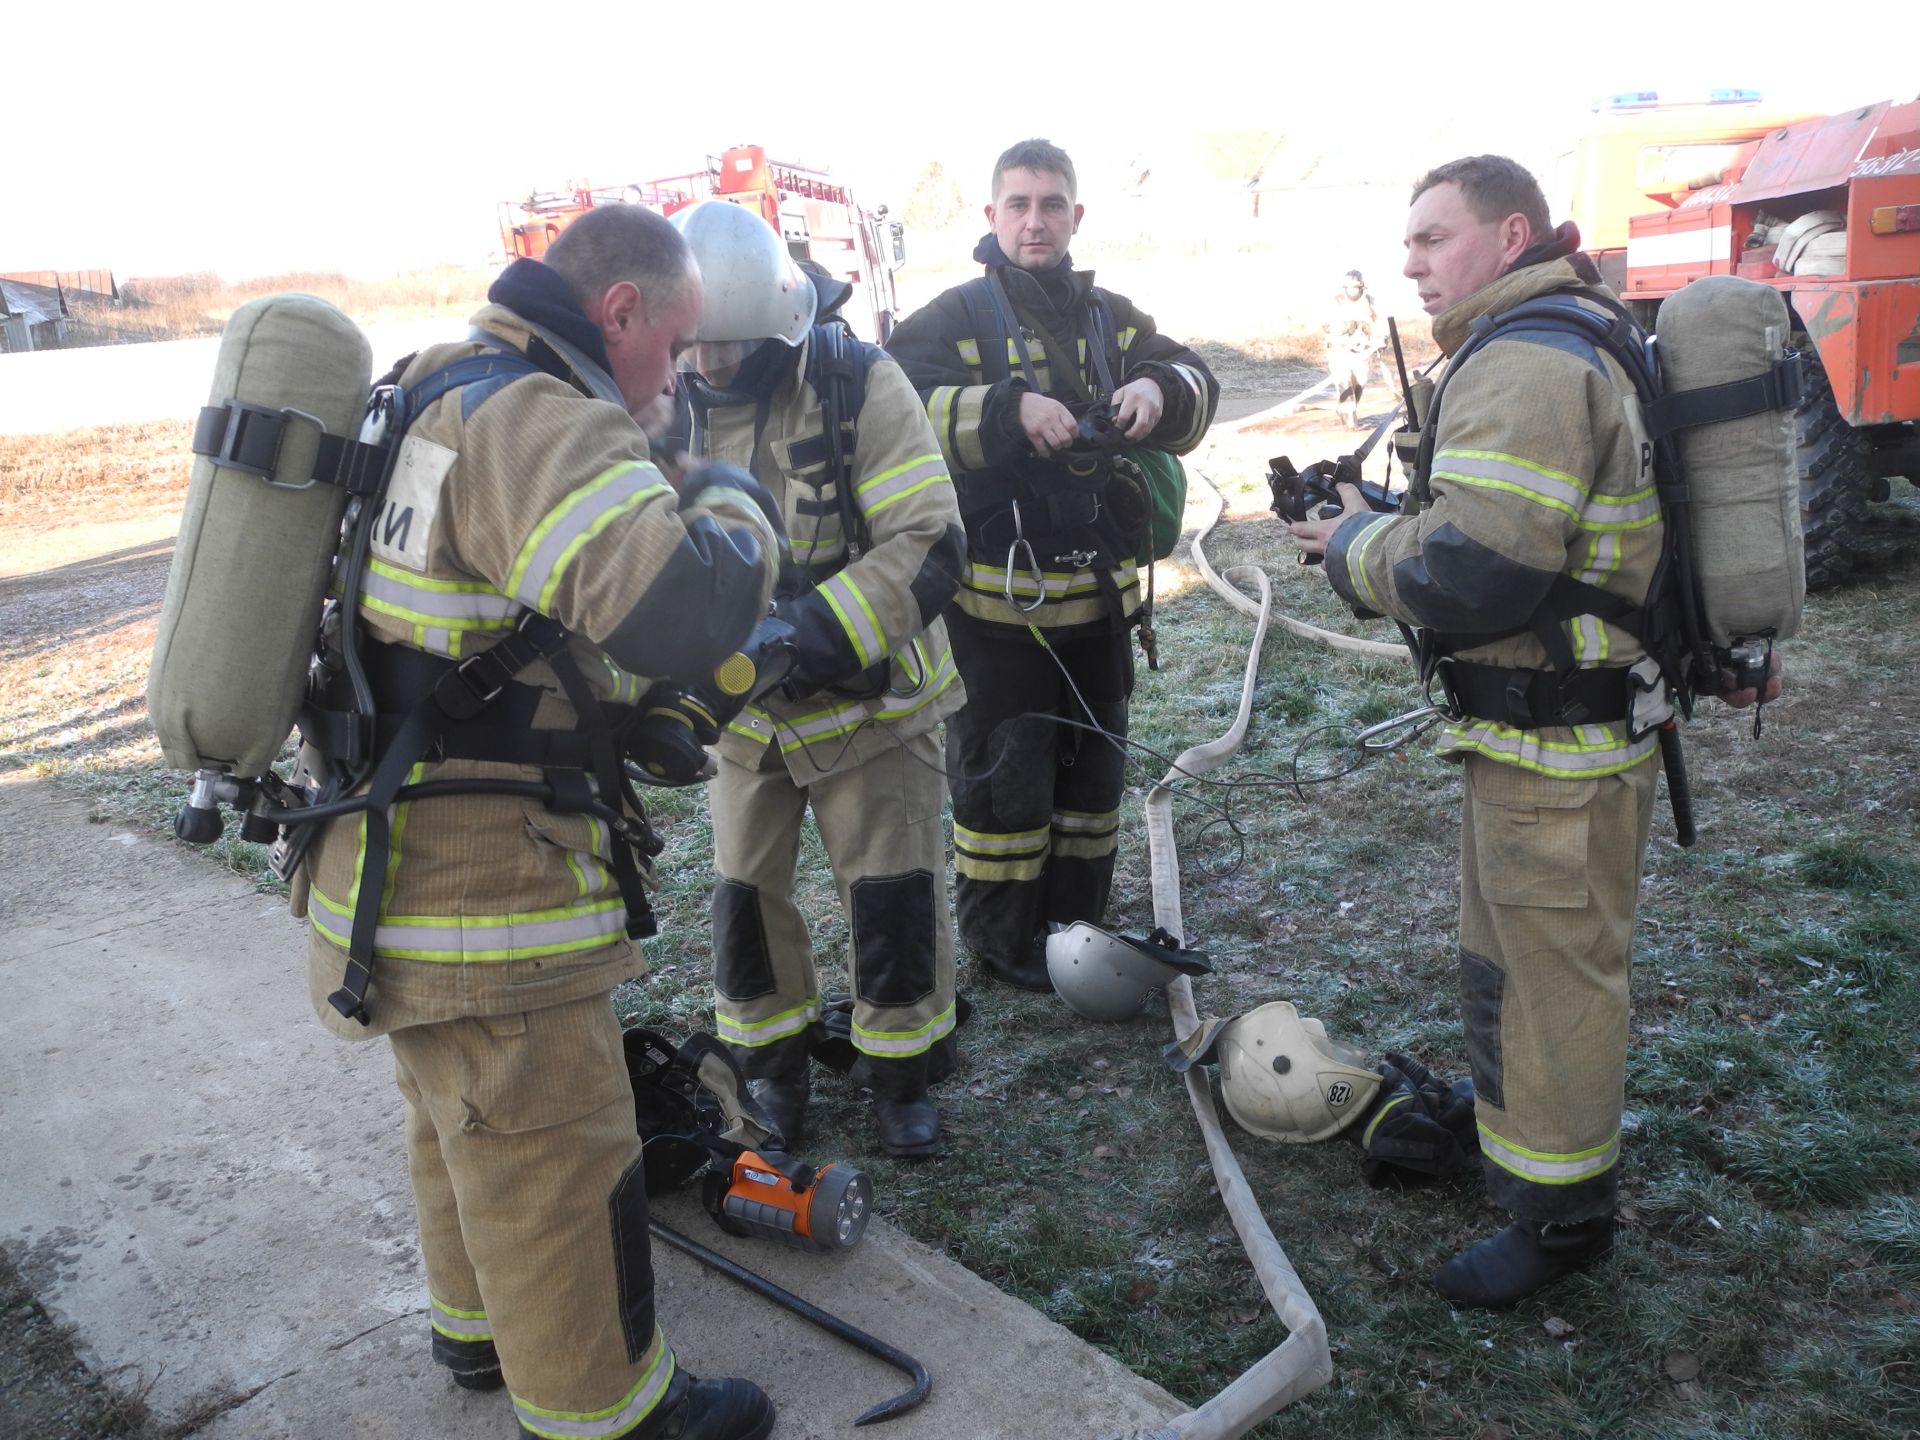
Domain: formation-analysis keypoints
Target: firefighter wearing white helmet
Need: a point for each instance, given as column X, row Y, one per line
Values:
column 831, row 427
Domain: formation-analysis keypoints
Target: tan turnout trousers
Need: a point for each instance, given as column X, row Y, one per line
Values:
column 880, row 823
column 1550, row 874
column 533, row 1212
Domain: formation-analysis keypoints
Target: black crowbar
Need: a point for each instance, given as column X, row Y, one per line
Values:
column 832, row 1324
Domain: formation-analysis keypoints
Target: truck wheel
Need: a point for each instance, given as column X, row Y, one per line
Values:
column 1834, row 484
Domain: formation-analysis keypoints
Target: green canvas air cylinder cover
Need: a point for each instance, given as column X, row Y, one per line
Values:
column 250, row 567
column 1748, row 549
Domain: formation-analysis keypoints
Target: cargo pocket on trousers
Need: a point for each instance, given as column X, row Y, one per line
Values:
column 893, row 938
column 1482, row 989
column 1530, row 837
column 537, row 1069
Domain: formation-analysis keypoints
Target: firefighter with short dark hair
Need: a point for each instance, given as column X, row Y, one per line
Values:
column 1541, row 470
column 875, row 550
column 502, row 925
column 1009, row 365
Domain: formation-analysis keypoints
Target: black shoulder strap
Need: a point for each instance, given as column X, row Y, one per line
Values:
column 837, row 364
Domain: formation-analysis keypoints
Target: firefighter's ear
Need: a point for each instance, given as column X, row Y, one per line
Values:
column 620, row 309
column 1516, row 237
column 1078, row 211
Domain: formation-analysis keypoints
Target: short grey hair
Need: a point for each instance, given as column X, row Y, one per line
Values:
column 611, row 243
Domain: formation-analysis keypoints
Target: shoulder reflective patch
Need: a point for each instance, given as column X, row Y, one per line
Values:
column 403, row 530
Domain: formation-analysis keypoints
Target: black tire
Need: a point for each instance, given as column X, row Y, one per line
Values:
column 1834, row 484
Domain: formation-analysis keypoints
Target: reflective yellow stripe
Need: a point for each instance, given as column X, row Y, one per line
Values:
column 1366, row 1137
column 898, row 1043
column 620, row 1418
column 1357, row 562
column 461, row 939
column 1513, row 475
column 1544, row 1167
column 1607, row 753
column 565, row 529
column 460, row 1324
column 877, row 492
column 856, row 617
column 764, row 1032
column 1029, row 869
column 969, row 352
column 986, row 842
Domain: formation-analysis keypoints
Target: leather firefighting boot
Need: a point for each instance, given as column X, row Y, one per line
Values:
column 908, row 1128
column 1528, row 1254
column 706, row 1410
column 1029, row 972
column 783, row 1099
column 473, row 1364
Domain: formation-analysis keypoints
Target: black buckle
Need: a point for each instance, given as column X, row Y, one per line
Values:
column 1569, row 708
column 249, row 438
column 465, row 690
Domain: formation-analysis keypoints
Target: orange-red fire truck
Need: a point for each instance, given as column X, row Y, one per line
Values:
column 815, row 214
column 1824, row 209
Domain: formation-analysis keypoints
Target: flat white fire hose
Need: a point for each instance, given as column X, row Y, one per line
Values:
column 1301, row 1364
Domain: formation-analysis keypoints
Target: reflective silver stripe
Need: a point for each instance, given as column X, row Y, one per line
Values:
column 1483, row 469
column 422, row 599
column 1621, row 512
column 1056, row 583
column 1564, row 760
column 544, row 557
column 941, row 681
column 615, row 1420
column 856, row 617
column 765, row 1032
column 1008, row 843
column 1603, row 558
column 1084, row 822
column 905, row 1042
column 1200, row 417
column 460, row 1324
column 1544, row 1167
column 462, row 939
column 901, row 481
column 969, row 352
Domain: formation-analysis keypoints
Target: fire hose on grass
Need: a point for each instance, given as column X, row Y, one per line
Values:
column 1302, row 1363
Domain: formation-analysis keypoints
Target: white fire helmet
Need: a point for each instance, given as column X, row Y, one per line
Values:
column 754, row 289
column 1279, row 1073
column 1108, row 977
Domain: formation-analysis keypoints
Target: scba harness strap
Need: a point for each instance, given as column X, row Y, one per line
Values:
column 436, row 709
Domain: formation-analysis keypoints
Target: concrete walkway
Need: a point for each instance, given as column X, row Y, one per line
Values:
column 213, row 1192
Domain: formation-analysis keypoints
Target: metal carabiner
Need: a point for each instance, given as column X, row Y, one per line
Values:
column 1020, row 542
column 1400, row 730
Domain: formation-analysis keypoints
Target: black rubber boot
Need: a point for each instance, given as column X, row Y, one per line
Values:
column 474, row 1364
column 706, row 1410
column 1029, row 972
column 1510, row 1266
column 783, row 1098
column 907, row 1127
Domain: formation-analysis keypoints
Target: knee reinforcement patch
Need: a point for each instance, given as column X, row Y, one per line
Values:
column 742, row 964
column 893, row 937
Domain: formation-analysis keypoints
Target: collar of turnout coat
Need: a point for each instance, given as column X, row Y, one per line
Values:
column 537, row 294
column 1058, row 289
column 1450, row 327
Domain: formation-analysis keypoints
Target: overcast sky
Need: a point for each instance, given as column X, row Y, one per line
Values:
column 261, row 138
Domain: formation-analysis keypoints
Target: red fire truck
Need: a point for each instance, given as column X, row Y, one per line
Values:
column 815, row 214
column 1824, row 209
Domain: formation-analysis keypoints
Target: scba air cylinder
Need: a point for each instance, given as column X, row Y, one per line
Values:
column 251, row 565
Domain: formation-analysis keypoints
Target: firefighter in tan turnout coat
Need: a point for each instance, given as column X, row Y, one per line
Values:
column 501, row 929
column 853, row 733
column 1540, row 469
